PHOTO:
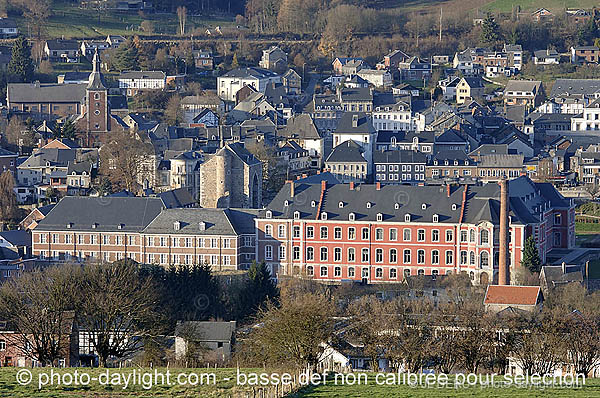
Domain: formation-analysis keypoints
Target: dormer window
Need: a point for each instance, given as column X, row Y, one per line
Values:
column 368, row 205
column 456, row 162
column 453, row 206
column 313, row 203
column 286, row 203
column 435, row 162
column 351, row 217
column 436, row 218
column 70, row 225
column 324, row 215
column 379, row 217
column 120, row 226
column 341, row 205
column 407, row 218
column 396, row 206
column 424, row 206
column 94, row 225
column 466, row 162
column 446, row 162
column 296, row 215
column 176, row 226
column 269, row 214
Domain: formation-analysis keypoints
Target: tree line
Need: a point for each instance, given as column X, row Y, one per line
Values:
column 123, row 305
column 457, row 334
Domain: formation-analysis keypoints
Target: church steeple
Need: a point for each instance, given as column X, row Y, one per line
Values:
column 96, row 80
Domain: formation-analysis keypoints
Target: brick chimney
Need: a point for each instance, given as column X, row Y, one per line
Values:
column 291, row 189
column 352, row 185
column 503, row 267
column 323, row 185
column 378, row 186
column 448, row 190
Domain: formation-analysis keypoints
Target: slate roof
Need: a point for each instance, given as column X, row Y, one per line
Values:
column 449, row 136
column 347, row 152
column 56, row 157
column 215, row 222
column 301, row 126
column 483, row 202
column 62, row 45
column 251, row 72
column 6, row 23
column 512, row 295
column 107, row 213
column 474, row 82
column 501, row 160
column 385, row 136
column 242, row 220
column 574, row 86
column 46, row 92
column 205, row 331
column 554, row 275
column 133, row 75
column 19, row 237
column 490, row 149
column 6, row 152
column 399, row 156
column 79, row 168
column 177, row 198
column 365, row 125
column 317, row 178
column 533, row 86
column 356, row 94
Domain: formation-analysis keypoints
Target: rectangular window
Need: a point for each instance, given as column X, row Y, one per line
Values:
column 281, row 231
column 282, row 252
column 379, row 234
column 435, row 235
column 324, row 232
column 310, row 232
column 449, row 235
column 351, row 255
column 296, row 231
column 350, row 272
column 296, row 253
column 268, row 252
column 406, row 235
column 393, row 234
column 365, row 255
column 421, row 235
column 351, row 233
column 337, row 233
column 337, row 254
column 365, row 233
column 323, row 254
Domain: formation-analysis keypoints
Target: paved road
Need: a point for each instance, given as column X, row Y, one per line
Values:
column 310, row 90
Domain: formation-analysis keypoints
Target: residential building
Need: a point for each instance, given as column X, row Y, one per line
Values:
column 140, row 228
column 115, row 40
column 495, row 167
column 525, row 298
column 8, row 161
column 37, row 214
column 448, row 87
column 79, row 178
column 556, row 276
column 60, row 50
column 392, row 59
column 469, row 88
column 132, row 82
column 392, row 113
column 358, row 127
column 194, row 339
column 383, row 233
column 206, row 118
column 326, row 111
column 292, row 82
column 414, row 69
column 589, row 119
column 356, row 99
column 541, row 15
column 203, row 59
column 8, row 28
column 403, row 140
column 353, row 66
column 192, row 105
column 46, row 100
column 524, row 92
column 546, row 57
column 302, row 130
column 585, row 55
column 347, row 163
column 294, row 157
column 274, row 58
column 340, row 62
column 88, row 48
column 450, row 166
column 399, row 166
column 231, row 82
column 515, row 55
column 378, row 78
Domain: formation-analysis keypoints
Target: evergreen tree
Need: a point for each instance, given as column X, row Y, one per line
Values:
column 8, row 200
column 20, row 66
column 531, row 257
column 490, row 31
column 259, row 288
column 190, row 63
column 126, row 56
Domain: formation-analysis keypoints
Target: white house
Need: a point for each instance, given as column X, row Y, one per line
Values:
column 131, row 82
column 393, row 116
column 231, row 82
column 546, row 57
column 589, row 120
column 378, row 78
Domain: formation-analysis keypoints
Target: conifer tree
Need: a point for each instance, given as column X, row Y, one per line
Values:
column 20, row 67
column 531, row 257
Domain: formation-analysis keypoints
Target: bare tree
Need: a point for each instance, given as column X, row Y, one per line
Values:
column 39, row 306
column 117, row 308
column 173, row 111
column 182, row 17
column 126, row 160
column 37, row 13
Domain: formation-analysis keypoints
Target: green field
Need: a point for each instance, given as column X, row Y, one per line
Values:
column 70, row 21
column 591, row 389
column 229, row 388
column 586, row 227
column 532, row 5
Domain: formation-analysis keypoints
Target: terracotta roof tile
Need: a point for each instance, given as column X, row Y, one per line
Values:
column 512, row 295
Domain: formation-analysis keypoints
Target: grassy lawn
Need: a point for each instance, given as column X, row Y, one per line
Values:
column 70, row 21
column 532, row 5
column 581, row 227
column 591, row 389
column 222, row 388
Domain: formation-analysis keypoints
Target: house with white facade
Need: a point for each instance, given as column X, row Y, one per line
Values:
column 257, row 78
column 378, row 78
column 132, row 82
column 589, row 120
column 392, row 113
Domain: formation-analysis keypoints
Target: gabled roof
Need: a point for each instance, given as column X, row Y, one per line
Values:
column 135, row 75
column 188, row 222
column 205, row 331
column 523, row 85
column 364, row 123
column 19, row 237
column 80, row 213
column 501, row 160
column 512, row 295
column 46, row 92
column 62, row 45
column 570, row 87
column 301, row 126
column 251, row 72
column 177, row 198
column 347, row 152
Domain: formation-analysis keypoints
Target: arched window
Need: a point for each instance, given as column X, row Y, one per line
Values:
column 393, row 255
column 484, row 259
column 406, row 259
column 421, row 256
column 472, row 235
column 310, row 270
column 472, row 258
column 484, row 237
